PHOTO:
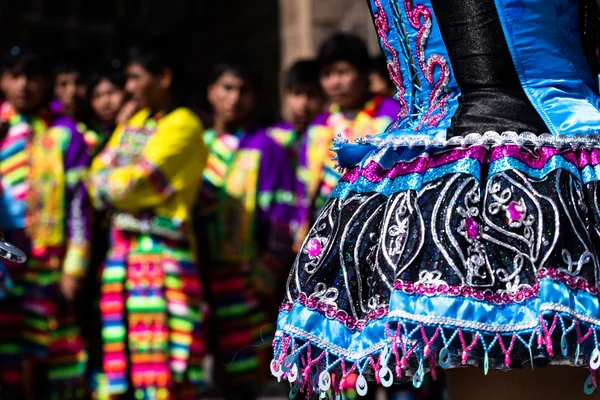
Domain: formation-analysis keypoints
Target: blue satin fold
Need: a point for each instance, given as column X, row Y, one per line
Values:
column 349, row 155
column 332, row 331
column 304, row 323
column 544, row 41
column 493, row 315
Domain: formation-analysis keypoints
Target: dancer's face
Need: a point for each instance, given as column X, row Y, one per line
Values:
column 343, row 84
column 71, row 89
column 231, row 97
column 106, row 101
column 303, row 103
column 24, row 92
column 148, row 90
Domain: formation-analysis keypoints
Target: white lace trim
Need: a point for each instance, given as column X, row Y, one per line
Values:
column 488, row 138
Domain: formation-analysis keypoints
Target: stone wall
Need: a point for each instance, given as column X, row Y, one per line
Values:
column 305, row 24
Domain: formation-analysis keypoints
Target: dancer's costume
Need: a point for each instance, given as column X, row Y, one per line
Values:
column 467, row 232
column 286, row 135
column 244, row 224
column 45, row 212
column 148, row 176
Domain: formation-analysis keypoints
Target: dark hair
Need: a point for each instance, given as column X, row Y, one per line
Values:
column 154, row 55
column 22, row 60
column 345, row 47
column 302, row 73
column 239, row 67
column 380, row 67
column 71, row 62
column 112, row 73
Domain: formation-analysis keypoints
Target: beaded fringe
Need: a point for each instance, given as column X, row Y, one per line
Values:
column 412, row 349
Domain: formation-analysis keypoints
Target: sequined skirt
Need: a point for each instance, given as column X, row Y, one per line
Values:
column 424, row 257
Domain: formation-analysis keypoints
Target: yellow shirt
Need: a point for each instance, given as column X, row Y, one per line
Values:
column 151, row 165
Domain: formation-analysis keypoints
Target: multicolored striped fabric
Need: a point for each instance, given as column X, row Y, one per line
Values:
column 241, row 326
column 50, row 334
column 14, row 168
column 151, row 297
column 222, row 150
column 248, row 190
column 151, row 313
column 44, row 212
column 11, row 360
column 244, row 224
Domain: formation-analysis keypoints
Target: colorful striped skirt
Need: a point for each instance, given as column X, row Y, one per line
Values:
column 151, row 303
column 240, row 329
column 38, row 329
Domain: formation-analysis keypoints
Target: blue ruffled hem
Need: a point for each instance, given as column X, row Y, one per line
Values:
column 561, row 324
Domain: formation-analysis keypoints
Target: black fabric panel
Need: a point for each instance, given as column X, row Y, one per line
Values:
column 590, row 33
column 492, row 97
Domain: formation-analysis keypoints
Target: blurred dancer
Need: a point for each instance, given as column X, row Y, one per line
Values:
column 303, row 100
column 70, row 88
column 44, row 212
column 106, row 93
column 246, row 207
column 344, row 74
column 148, row 176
